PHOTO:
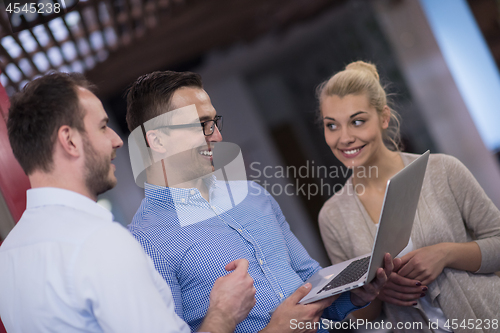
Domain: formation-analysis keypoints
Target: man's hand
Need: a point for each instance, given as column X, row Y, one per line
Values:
column 231, row 299
column 301, row 313
column 367, row 293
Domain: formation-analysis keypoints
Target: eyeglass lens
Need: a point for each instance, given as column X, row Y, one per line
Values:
column 208, row 128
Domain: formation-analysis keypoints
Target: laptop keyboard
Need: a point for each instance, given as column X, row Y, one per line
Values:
column 351, row 273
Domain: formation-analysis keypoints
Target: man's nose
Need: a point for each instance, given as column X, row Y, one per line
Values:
column 216, row 136
column 116, row 140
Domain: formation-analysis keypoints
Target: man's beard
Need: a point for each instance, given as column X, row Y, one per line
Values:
column 97, row 168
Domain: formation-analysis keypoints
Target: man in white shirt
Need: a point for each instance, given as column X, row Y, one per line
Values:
column 66, row 266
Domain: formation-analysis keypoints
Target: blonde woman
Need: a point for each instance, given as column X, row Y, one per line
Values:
column 446, row 276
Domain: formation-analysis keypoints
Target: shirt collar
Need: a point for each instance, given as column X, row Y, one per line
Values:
column 174, row 195
column 48, row 196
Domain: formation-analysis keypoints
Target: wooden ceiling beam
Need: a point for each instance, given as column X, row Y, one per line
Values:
column 195, row 29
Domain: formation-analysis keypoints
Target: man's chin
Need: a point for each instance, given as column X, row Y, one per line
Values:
column 112, row 183
column 105, row 185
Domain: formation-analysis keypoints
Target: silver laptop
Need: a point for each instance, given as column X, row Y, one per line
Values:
column 393, row 233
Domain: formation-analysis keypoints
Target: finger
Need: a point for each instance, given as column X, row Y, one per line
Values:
column 429, row 280
column 406, row 258
column 326, row 302
column 402, row 296
column 426, row 278
column 396, row 278
column 334, row 297
column 380, row 280
column 398, row 301
column 406, row 269
column 366, row 294
column 388, row 264
column 299, row 293
column 315, row 320
column 404, row 289
column 360, row 296
column 374, row 287
column 238, row 265
column 415, row 275
column 397, row 264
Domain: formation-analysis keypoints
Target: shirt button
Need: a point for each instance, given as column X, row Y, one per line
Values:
column 192, row 192
column 213, row 207
column 239, row 230
column 183, row 200
column 281, row 295
column 261, row 261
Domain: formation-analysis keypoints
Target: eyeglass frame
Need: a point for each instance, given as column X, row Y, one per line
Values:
column 215, row 122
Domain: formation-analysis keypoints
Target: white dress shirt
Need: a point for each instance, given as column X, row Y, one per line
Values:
column 67, row 267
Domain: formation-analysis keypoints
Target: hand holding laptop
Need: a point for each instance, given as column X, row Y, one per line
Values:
column 393, row 234
column 367, row 293
column 400, row 290
column 409, row 281
column 303, row 313
column 290, row 309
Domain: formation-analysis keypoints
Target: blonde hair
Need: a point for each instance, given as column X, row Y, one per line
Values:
column 359, row 78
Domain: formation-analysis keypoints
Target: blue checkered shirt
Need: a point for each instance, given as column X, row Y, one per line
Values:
column 191, row 240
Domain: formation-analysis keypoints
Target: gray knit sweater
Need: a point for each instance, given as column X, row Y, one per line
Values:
column 452, row 208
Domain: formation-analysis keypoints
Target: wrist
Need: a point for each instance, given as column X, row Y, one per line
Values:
column 447, row 253
column 217, row 320
column 356, row 301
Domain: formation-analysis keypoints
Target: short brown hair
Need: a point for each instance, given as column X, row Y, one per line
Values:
column 38, row 111
column 150, row 95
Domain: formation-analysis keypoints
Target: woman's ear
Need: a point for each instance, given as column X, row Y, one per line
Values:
column 385, row 117
column 155, row 142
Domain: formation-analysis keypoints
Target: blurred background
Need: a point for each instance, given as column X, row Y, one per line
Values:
column 261, row 61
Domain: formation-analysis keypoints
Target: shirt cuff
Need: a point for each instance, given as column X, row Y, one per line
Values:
column 341, row 307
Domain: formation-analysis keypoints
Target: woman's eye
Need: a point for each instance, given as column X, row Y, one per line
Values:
column 331, row 127
column 358, row 122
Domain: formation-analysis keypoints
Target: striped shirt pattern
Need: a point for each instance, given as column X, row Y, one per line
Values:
column 191, row 256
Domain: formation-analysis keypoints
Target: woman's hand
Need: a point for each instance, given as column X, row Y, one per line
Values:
column 402, row 291
column 421, row 267
column 425, row 264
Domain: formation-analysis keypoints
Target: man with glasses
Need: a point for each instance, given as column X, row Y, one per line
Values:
column 67, row 266
column 192, row 220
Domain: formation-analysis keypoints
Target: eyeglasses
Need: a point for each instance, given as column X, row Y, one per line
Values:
column 208, row 126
